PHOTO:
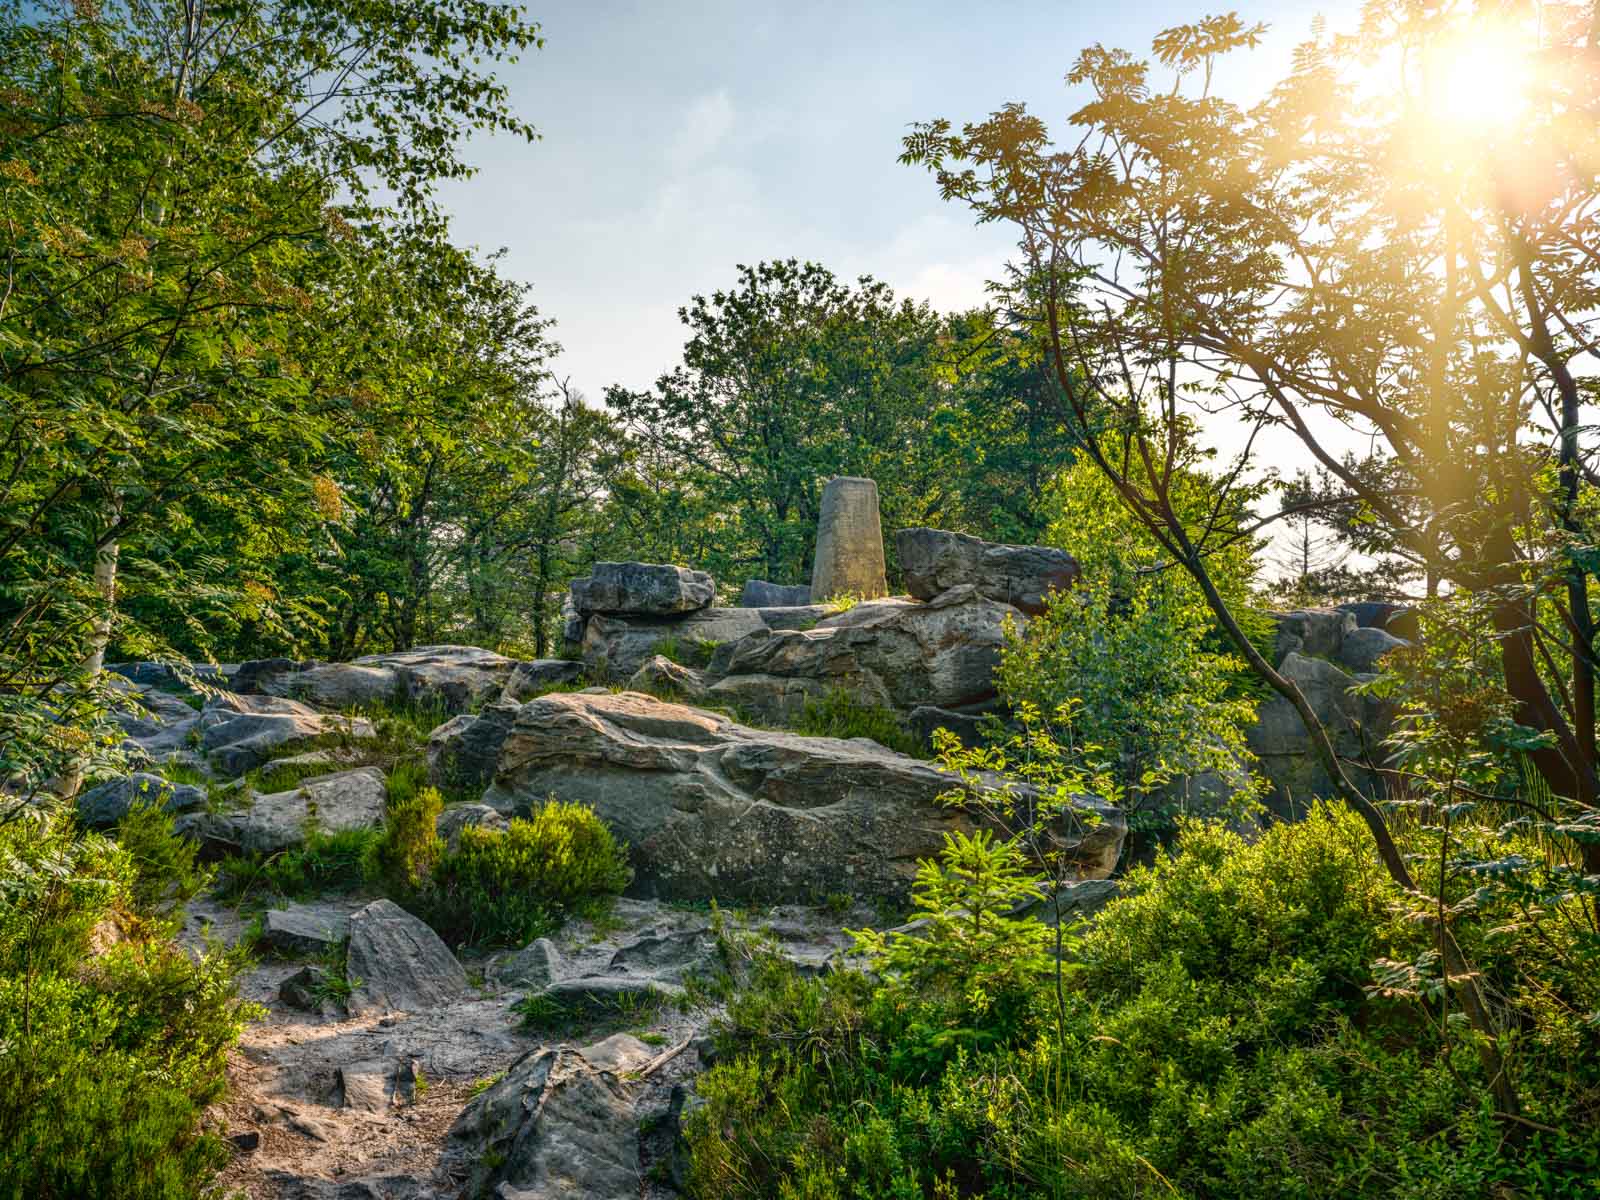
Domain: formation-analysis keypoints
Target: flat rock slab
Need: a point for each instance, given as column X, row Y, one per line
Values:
column 241, row 732
column 304, row 928
column 402, row 964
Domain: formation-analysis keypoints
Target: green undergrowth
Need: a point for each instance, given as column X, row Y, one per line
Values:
column 1219, row 1033
column 839, row 714
column 113, row 1039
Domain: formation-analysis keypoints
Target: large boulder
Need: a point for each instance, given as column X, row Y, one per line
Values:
column 1356, row 726
column 562, row 1122
column 400, row 963
column 453, row 678
column 275, row 821
column 758, row 593
column 463, row 751
column 103, row 806
column 642, row 589
column 241, row 732
column 156, row 724
column 615, row 647
column 896, row 653
column 1313, row 632
column 708, row 807
column 304, row 928
column 933, row 561
column 1363, row 648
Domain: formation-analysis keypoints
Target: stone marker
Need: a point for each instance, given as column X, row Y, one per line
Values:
column 849, row 558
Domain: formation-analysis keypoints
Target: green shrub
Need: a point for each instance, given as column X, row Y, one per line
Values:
column 1223, row 1037
column 839, row 714
column 167, row 873
column 323, row 863
column 108, row 1061
column 508, row 887
column 405, row 855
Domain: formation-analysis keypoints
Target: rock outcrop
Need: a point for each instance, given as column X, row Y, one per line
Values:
column 642, row 589
column 530, row 679
column 241, row 732
column 935, row 560
column 711, row 808
column 463, row 751
column 453, row 678
column 896, row 653
column 614, row 647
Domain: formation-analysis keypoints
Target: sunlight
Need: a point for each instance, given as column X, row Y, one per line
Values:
column 1478, row 84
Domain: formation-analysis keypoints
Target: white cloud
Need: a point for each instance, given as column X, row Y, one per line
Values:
column 707, row 122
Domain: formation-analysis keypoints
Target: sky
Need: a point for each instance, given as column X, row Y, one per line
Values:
column 681, row 139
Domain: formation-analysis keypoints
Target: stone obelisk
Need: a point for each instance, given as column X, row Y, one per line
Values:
column 849, row 558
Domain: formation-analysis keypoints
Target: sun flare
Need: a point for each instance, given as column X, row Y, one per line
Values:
column 1479, row 83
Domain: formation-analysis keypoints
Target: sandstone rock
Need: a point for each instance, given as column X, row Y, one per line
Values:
column 896, row 653
column 1312, row 632
column 849, row 553
column 452, row 677
column 662, row 676
column 936, row 560
column 530, row 679
column 614, row 647
column 1371, row 614
column 1363, row 648
column 156, row 724
column 571, row 623
column 401, row 963
column 279, row 820
column 758, row 593
column 462, row 752
column 103, row 806
column 1356, row 726
column 711, row 808
column 304, row 929
column 648, row 589
column 241, row 732
column 561, row 1123
column 925, row 718
column 771, row 699
column 375, row 1085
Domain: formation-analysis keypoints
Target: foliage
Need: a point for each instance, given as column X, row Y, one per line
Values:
column 108, row 1055
column 324, row 862
column 507, row 887
column 166, row 870
column 839, row 713
column 1130, row 657
column 410, row 846
column 1221, row 1039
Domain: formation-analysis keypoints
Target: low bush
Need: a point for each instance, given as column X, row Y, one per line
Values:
column 1223, row 1036
column 109, row 1057
column 324, row 862
column 839, row 714
column 410, row 846
column 507, row 887
column 166, row 869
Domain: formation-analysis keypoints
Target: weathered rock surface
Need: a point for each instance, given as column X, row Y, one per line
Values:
column 849, row 555
column 460, row 816
column 614, row 647
column 1313, row 632
column 711, row 808
column 463, row 751
column 452, row 677
column 1356, row 726
column 968, row 726
column 643, row 589
column 758, row 593
column 304, row 928
column 935, row 560
column 306, row 988
column 896, row 653
column 562, row 1123
column 663, row 676
column 536, row 966
column 268, row 823
column 1363, row 648
column 402, row 964
column 156, row 724
column 103, row 806
column 534, row 678
column 241, row 732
